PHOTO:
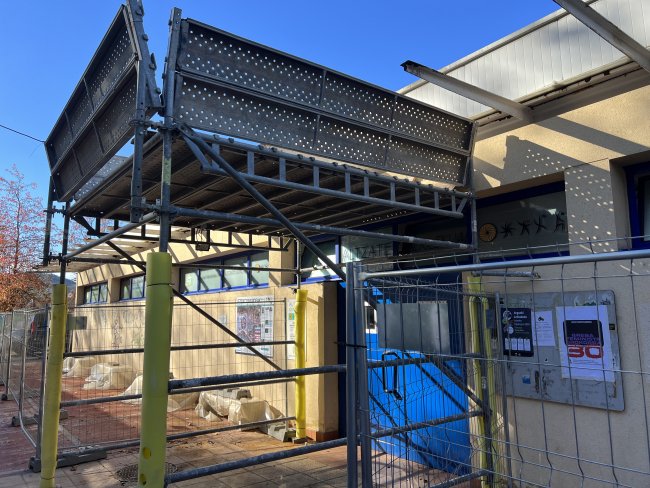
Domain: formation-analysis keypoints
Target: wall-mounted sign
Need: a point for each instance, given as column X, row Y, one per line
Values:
column 255, row 323
column 517, row 331
column 585, row 347
column 291, row 326
column 359, row 248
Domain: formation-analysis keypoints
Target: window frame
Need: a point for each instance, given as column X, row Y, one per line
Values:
column 337, row 259
column 128, row 280
column 89, row 290
column 636, row 210
column 222, row 261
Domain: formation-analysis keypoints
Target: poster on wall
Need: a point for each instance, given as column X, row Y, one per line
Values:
column 544, row 331
column 255, row 323
column 585, row 346
column 517, row 332
column 291, row 327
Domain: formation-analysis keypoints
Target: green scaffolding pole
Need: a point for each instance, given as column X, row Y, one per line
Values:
column 155, row 377
column 52, row 392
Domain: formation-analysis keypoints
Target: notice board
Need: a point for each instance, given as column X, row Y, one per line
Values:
column 562, row 347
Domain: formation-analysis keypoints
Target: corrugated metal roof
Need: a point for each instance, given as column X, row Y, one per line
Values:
column 540, row 57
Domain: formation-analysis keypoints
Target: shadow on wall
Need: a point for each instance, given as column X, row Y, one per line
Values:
column 590, row 206
column 588, row 187
column 592, row 136
column 525, row 159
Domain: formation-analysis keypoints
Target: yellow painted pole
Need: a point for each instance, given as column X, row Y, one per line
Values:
column 301, row 360
column 474, row 287
column 52, row 392
column 155, row 376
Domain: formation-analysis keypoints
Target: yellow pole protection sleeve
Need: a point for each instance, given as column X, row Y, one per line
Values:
column 52, row 392
column 301, row 360
column 155, row 377
column 474, row 287
column 477, row 320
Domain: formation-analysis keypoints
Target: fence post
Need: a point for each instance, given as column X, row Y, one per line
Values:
column 301, row 359
column 351, row 377
column 155, row 377
column 52, row 394
column 5, row 395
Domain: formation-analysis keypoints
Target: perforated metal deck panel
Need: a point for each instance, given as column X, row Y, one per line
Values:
column 95, row 122
column 229, row 85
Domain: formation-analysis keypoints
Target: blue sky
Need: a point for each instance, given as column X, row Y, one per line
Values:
column 46, row 46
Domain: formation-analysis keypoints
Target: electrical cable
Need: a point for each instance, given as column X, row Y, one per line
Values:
column 21, row 133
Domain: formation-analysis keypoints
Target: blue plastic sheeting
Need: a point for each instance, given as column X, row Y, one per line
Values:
column 419, row 399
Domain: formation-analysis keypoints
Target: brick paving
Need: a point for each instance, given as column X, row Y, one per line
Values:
column 15, row 449
column 325, row 469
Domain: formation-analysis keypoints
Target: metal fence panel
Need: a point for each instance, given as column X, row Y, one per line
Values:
column 432, row 386
column 564, row 366
column 103, row 368
column 5, row 334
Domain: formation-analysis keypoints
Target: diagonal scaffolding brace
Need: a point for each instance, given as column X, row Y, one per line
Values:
column 261, row 199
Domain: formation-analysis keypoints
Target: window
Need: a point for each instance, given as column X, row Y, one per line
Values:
column 260, row 260
column 97, row 293
column 132, row 288
column 534, row 219
column 235, row 277
column 638, row 190
column 309, row 260
column 196, row 280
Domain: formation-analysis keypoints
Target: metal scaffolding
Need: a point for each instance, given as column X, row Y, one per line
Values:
column 248, row 141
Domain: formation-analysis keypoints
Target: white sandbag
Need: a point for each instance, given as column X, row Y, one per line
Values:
column 68, row 363
column 217, row 405
column 78, row 367
column 174, row 402
column 251, row 410
column 108, row 376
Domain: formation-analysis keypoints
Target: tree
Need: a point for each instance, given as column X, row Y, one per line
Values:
column 23, row 290
column 22, row 222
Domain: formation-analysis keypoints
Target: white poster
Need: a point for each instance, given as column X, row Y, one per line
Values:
column 291, row 327
column 543, row 331
column 585, row 346
column 255, row 323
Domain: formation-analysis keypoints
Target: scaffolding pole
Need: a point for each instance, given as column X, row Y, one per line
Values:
column 53, row 380
column 157, row 342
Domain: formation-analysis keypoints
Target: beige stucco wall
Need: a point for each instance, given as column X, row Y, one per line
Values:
column 586, row 148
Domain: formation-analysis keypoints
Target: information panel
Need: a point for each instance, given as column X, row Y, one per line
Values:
column 563, row 348
column 255, row 323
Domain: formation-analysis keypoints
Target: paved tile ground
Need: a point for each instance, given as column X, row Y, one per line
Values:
column 15, row 449
column 324, row 469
